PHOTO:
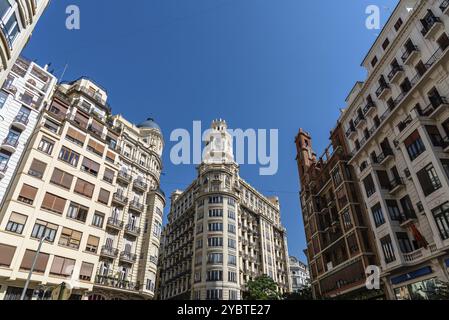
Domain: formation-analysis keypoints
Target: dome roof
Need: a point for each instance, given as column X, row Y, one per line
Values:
column 149, row 124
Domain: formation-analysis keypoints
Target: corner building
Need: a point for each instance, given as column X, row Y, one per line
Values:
column 221, row 233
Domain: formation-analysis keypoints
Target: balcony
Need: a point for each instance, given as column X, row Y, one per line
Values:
column 109, row 252
column 386, row 155
column 432, row 26
column 3, row 169
column 445, row 7
column 410, row 54
column 445, row 143
column 407, row 219
column 369, row 109
column 435, row 108
column 132, row 230
column 396, row 184
column 114, row 223
column 383, row 90
column 124, row 177
column 21, row 121
column 140, row 185
column 10, row 144
column 351, row 133
column 137, row 206
column 119, row 199
column 396, row 73
column 419, row 255
column 128, row 257
column 359, row 121
column 109, row 281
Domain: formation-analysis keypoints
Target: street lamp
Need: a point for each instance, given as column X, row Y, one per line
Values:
column 41, row 242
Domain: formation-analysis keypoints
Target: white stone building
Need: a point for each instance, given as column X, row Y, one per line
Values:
column 299, row 274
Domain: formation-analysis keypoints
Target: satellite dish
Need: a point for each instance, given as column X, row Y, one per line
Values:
column 62, row 292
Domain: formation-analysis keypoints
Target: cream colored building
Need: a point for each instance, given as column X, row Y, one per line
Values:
column 397, row 125
column 221, row 233
column 18, row 19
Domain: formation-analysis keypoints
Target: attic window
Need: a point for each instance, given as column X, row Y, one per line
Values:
column 374, row 62
column 398, row 24
column 386, row 44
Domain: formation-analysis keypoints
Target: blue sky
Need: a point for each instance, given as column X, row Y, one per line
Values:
column 269, row 64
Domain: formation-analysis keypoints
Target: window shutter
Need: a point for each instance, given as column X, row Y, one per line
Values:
column 93, row 241
column 6, row 255
column 38, row 167
column 104, row 196
column 86, row 270
column 28, row 192
column 18, row 218
column 76, row 135
column 28, row 259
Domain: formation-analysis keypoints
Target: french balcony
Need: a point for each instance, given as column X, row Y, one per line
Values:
column 119, row 199
column 132, row 230
column 396, row 73
column 21, row 121
column 140, row 185
column 396, row 184
column 137, row 206
column 124, row 177
column 433, row 26
column 10, row 145
column 128, row 257
column 3, row 169
column 109, row 252
column 114, row 223
column 386, row 155
column 369, row 109
column 435, row 108
column 410, row 55
column 111, row 282
column 383, row 90
column 351, row 133
column 361, row 120
column 445, row 7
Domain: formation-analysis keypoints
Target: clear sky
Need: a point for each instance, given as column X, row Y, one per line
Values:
column 268, row 64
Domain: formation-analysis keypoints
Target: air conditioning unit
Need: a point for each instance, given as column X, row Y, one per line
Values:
column 330, row 266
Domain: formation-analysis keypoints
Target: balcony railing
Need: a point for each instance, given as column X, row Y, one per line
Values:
column 131, row 229
column 128, row 257
column 436, row 103
column 350, row 132
column 383, row 156
column 115, row 223
column 444, row 6
column 396, row 183
column 120, row 198
column 394, row 72
column 11, row 142
column 408, row 52
column 112, row 282
column 22, row 119
column 124, row 176
column 359, row 120
column 136, row 205
column 140, row 185
column 368, row 107
column 431, row 21
column 3, row 167
column 381, row 89
column 109, row 252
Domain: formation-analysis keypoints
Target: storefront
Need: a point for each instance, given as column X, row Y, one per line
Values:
column 419, row 290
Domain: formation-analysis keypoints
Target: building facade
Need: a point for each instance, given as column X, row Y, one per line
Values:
column 26, row 91
column 66, row 191
column 339, row 240
column 221, row 232
column 18, row 20
column 396, row 125
column 299, row 274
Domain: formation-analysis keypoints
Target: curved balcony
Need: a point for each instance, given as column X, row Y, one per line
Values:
column 10, row 145
column 21, row 121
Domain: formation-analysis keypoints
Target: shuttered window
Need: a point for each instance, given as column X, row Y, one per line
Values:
column 62, row 266
column 86, row 271
column 53, row 203
column 96, row 147
column 92, row 244
column 16, row 223
column 70, row 238
column 6, row 255
column 90, row 167
column 104, row 196
column 81, row 119
column 84, row 188
column 109, row 175
column 27, row 194
column 110, row 156
column 41, row 263
column 62, row 179
column 37, row 169
column 75, row 136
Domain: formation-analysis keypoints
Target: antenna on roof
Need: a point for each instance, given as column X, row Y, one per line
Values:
column 63, row 73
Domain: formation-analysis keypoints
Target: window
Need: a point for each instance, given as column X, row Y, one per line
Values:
column 214, row 227
column 44, row 229
column 90, row 167
column 231, row 243
column 108, row 175
column 216, row 213
column 231, row 228
column 69, row 156
column 347, row 220
column 434, row 135
column 385, row 44
column 415, row 146
column 84, row 188
column 46, row 146
column 336, row 177
column 404, row 242
column 215, row 242
column 216, row 199
column 429, row 180
column 51, row 126
column 232, row 276
column 214, row 275
column 3, row 98
column 62, row 266
column 232, row 260
column 77, row 212
column 197, row 277
column 62, row 179
column 445, row 163
column 96, row 148
column 231, row 202
column 443, row 41
column 98, row 219
column 374, row 62
column 103, row 197
column 393, row 210
column 215, row 258
column 215, row 294
column 28, row 259
column 86, row 271
column 6, row 255
column 388, row 250
column 369, row 186
column 4, row 159
column 27, row 194
column 231, row 215
column 92, row 244
column 75, row 137
column 70, row 238
column 16, row 223
column 199, row 244
column 441, row 216
column 199, row 228
column 398, row 24
column 53, row 203
column 378, row 216
column 37, row 169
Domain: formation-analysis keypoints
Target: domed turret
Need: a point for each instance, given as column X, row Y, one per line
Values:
column 149, row 124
